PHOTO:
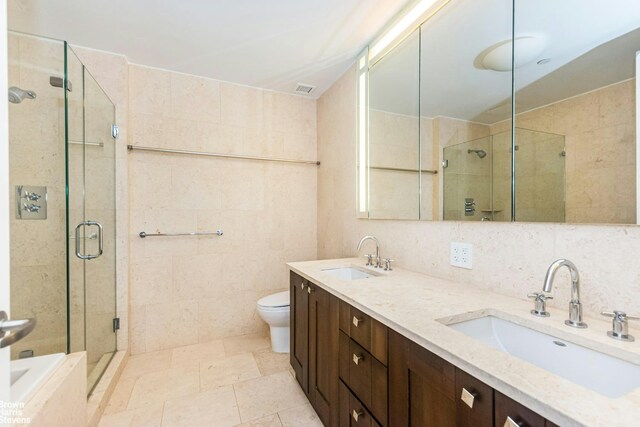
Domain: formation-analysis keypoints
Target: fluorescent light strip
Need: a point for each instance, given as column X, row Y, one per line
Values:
column 412, row 18
column 362, row 143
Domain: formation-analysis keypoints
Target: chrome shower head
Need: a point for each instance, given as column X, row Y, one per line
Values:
column 480, row 153
column 17, row 95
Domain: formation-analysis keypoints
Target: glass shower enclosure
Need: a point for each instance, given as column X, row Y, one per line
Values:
column 477, row 178
column 62, row 172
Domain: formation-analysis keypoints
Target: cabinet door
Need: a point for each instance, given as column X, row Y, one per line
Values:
column 508, row 409
column 474, row 401
column 421, row 386
column 299, row 352
column 323, row 354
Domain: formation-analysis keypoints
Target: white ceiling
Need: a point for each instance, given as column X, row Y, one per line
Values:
column 270, row 44
column 453, row 85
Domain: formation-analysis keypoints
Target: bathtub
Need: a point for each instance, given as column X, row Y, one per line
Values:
column 30, row 373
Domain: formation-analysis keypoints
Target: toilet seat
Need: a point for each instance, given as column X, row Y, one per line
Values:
column 275, row 301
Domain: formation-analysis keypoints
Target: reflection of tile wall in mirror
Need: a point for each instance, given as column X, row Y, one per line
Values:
column 581, row 87
column 600, row 135
column 394, row 133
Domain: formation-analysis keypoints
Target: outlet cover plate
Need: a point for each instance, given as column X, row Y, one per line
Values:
column 462, row 255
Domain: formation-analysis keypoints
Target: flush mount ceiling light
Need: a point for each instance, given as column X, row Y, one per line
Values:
column 403, row 26
column 527, row 50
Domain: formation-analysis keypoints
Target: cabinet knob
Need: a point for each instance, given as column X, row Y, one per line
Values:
column 509, row 422
column 357, row 321
column 356, row 415
column 309, row 290
column 468, row 397
column 357, row 359
column 302, row 286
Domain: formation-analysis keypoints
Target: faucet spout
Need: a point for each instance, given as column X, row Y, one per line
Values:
column 575, row 306
column 377, row 242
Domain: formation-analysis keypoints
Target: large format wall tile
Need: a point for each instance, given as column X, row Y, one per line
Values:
column 206, row 288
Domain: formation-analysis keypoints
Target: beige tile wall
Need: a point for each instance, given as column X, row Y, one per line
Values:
column 186, row 290
column 510, row 258
column 600, row 138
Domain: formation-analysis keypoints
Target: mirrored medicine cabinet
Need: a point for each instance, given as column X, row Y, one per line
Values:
column 504, row 110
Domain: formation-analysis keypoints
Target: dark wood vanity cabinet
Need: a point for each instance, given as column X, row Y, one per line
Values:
column 427, row 391
column 314, row 346
column 299, row 330
column 357, row 372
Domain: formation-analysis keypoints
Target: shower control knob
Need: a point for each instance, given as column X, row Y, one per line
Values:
column 31, row 207
column 32, row 196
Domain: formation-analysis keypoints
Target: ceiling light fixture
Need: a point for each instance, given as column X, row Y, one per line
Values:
column 415, row 17
column 527, row 49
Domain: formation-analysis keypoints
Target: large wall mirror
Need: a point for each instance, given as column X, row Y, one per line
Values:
column 461, row 129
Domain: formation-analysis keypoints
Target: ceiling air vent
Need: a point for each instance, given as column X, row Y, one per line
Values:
column 304, row 89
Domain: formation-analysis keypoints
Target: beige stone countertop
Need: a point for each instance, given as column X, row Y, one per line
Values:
column 419, row 307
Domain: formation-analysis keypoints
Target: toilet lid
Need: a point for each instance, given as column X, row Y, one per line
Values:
column 281, row 299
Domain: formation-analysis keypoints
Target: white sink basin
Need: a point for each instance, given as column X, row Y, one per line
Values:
column 597, row 371
column 348, row 273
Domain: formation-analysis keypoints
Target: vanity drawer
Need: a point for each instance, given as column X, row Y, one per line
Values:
column 365, row 376
column 366, row 331
column 352, row 412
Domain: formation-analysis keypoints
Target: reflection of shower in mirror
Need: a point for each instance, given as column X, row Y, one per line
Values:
column 480, row 153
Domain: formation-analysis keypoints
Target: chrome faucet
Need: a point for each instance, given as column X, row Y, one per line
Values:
column 575, row 307
column 364, row 239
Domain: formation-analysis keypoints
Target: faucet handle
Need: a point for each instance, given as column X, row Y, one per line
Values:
column 369, row 258
column 387, row 264
column 540, row 299
column 620, row 326
column 620, row 315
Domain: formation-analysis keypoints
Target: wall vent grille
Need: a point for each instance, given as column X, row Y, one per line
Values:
column 304, row 88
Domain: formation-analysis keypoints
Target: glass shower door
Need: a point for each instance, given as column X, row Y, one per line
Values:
column 91, row 115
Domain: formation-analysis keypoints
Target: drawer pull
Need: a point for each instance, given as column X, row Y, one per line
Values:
column 357, row 359
column 509, row 422
column 356, row 414
column 357, row 321
column 468, row 398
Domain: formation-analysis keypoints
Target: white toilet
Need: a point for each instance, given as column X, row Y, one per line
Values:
column 274, row 309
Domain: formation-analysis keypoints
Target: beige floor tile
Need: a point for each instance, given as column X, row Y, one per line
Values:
column 270, row 362
column 262, row 396
column 211, row 408
column 150, row 416
column 164, row 385
column 145, row 363
column 196, row 353
column 228, row 371
column 301, row 416
column 268, row 421
column 245, row 343
column 120, row 396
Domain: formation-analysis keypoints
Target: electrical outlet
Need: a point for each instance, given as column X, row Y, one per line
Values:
column 462, row 255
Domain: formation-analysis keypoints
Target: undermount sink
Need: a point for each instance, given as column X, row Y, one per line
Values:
column 348, row 273
column 597, row 371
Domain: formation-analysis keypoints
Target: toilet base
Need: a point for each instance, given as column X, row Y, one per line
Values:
column 280, row 339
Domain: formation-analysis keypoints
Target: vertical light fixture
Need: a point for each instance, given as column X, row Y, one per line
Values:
column 363, row 127
column 403, row 26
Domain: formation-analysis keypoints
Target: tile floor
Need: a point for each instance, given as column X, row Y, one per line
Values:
column 233, row 382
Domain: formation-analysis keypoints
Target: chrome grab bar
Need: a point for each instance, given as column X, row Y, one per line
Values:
column 100, row 240
column 143, row 235
column 14, row 330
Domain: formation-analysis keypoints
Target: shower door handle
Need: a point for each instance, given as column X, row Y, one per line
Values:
column 12, row 331
column 100, row 240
